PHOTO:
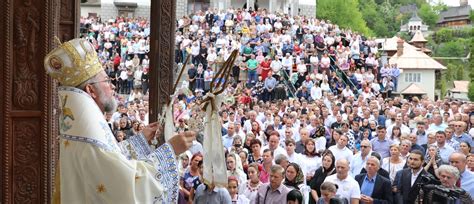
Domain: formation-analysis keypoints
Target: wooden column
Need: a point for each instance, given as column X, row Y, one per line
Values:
column 163, row 22
column 28, row 125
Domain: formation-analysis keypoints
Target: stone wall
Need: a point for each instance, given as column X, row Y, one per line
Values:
column 307, row 10
column 251, row 3
column 85, row 10
column 108, row 11
column 143, row 11
column 181, row 8
column 221, row 4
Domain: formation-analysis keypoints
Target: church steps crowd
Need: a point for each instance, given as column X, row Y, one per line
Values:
column 364, row 140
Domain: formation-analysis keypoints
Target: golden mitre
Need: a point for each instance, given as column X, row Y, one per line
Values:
column 73, row 62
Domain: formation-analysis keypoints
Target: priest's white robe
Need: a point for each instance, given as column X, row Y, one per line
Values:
column 94, row 168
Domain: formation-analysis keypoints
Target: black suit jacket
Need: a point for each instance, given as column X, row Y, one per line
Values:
column 425, row 147
column 382, row 193
column 409, row 192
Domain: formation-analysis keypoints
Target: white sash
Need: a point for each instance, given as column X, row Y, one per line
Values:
column 215, row 170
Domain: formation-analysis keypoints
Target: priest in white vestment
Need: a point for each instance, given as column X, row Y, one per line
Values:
column 93, row 167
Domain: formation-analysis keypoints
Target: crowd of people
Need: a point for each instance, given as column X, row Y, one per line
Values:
column 341, row 136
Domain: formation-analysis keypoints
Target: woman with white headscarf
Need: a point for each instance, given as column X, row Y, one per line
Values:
column 234, row 167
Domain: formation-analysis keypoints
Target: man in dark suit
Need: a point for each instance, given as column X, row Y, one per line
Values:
column 373, row 187
column 381, row 172
column 210, row 17
column 411, row 177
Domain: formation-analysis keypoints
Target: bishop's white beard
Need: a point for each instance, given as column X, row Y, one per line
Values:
column 110, row 104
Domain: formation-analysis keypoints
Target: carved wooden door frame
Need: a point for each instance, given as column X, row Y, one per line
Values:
column 28, row 125
column 27, row 96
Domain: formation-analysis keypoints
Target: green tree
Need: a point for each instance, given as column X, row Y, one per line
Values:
column 448, row 75
column 471, row 60
column 455, row 48
column 368, row 9
column 438, row 8
column 443, row 88
column 389, row 14
column 443, row 35
column 405, row 36
column 459, row 73
column 373, row 18
column 471, row 16
column 470, row 93
column 405, row 2
column 428, row 15
column 344, row 13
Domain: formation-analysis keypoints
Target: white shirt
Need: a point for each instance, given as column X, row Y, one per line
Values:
column 301, row 68
column 275, row 39
column 124, row 75
column 311, row 164
column 298, row 159
column 278, row 25
column 220, row 42
column 248, row 125
column 185, row 43
column 276, row 66
column 414, row 177
column 261, row 118
column 295, row 158
column 314, row 60
column 208, row 74
column 344, row 153
column 358, row 163
column 287, row 62
column 358, row 76
column 193, row 28
column 325, row 61
column 348, row 187
column 376, row 87
column 128, row 63
column 248, row 193
column 320, row 143
column 195, row 50
column 138, row 74
column 370, row 77
column 392, row 168
column 196, row 147
column 211, row 57
column 316, row 93
column 325, row 87
column 347, row 92
column 216, row 29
